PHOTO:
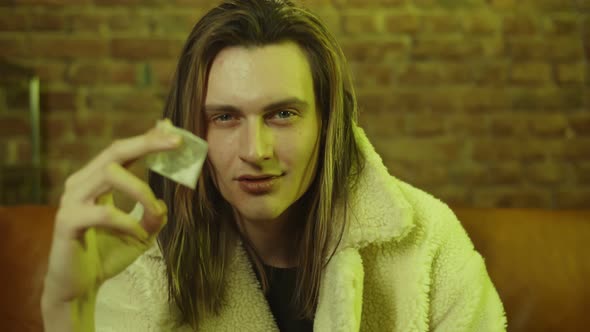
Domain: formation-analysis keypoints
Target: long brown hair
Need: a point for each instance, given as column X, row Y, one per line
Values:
column 198, row 240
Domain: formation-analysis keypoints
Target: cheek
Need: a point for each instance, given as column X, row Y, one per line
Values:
column 219, row 154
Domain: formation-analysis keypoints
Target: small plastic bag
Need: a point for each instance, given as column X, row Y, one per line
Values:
column 183, row 164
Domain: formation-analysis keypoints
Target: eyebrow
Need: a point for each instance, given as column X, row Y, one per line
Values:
column 289, row 102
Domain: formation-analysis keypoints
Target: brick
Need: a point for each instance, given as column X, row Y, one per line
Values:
column 426, row 125
column 383, row 124
column 401, row 169
column 330, row 17
column 485, row 22
column 89, row 23
column 179, row 24
column 372, row 75
column 427, row 73
column 422, row 99
column 582, row 172
column 558, row 49
column 377, row 51
column 423, row 149
column 458, row 73
column 375, row 102
column 51, row 71
column 421, row 73
column 580, row 123
column 13, row 47
column 505, row 4
column 468, row 125
column 525, row 48
column 530, row 73
column 452, row 195
column 51, row 2
column 13, row 22
column 135, row 23
column 492, row 73
column 69, row 47
column 447, row 4
column 485, row 99
column 17, row 99
column 52, row 101
column 57, row 126
column 24, row 151
column 469, row 174
column 360, row 23
column 53, row 175
column 564, row 25
column 91, row 126
column 506, row 173
column 441, row 23
column 371, row 4
column 136, row 49
column 117, row 2
column 573, row 198
column 577, row 150
column 565, row 48
column 402, row 23
column 126, row 126
column 512, row 198
column 508, row 124
column 515, row 25
column 548, row 125
column 125, row 101
column 14, row 126
column 571, row 73
column 96, row 73
column 427, row 175
column 545, row 173
column 77, row 150
column 502, row 150
column 553, row 5
column 49, row 22
column 456, row 48
column 546, row 99
column 162, row 71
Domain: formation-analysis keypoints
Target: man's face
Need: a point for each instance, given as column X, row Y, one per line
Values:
column 262, row 121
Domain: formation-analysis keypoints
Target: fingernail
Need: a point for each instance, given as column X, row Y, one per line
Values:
column 162, row 208
column 143, row 235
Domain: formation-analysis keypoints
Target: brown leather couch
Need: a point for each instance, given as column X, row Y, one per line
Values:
column 538, row 259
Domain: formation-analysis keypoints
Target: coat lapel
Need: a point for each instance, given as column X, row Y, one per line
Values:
column 378, row 212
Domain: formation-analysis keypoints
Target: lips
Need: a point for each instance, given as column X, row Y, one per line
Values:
column 257, row 177
column 258, row 184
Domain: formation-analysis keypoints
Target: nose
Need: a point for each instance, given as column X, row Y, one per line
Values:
column 256, row 142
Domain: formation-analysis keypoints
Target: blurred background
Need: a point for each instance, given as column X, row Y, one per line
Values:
column 483, row 103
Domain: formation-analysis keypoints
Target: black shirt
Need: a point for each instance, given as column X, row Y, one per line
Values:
column 282, row 286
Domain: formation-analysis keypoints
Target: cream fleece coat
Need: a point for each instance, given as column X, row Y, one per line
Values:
column 405, row 264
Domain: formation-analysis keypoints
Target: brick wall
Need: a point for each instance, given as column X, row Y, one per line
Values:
column 482, row 103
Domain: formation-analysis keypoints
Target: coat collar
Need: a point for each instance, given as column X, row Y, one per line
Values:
column 378, row 211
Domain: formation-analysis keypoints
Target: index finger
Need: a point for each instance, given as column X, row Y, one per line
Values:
column 127, row 150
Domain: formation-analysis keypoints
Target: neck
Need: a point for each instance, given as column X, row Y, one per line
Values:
column 272, row 239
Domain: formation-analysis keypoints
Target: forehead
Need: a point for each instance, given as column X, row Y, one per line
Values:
column 252, row 75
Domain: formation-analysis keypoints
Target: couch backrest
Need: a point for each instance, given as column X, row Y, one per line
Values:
column 538, row 260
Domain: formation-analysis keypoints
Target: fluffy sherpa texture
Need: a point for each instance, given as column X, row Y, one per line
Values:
column 405, row 264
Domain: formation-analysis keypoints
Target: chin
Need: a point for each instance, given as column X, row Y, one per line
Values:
column 253, row 212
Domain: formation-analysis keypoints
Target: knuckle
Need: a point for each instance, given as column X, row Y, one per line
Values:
column 104, row 214
column 70, row 180
column 116, row 147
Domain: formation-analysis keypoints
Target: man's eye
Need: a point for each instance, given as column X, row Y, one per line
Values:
column 284, row 114
column 223, row 117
